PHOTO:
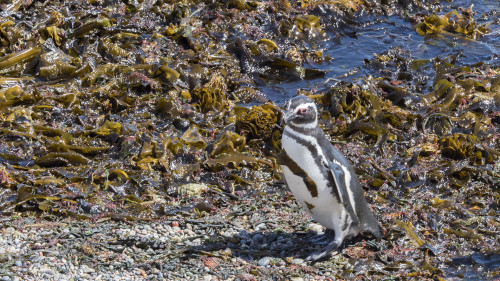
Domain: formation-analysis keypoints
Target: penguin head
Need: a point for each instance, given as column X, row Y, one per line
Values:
column 302, row 112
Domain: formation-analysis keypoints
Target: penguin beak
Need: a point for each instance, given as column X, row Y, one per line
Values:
column 282, row 118
column 287, row 115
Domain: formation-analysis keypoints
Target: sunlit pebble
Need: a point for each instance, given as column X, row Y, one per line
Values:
column 175, row 223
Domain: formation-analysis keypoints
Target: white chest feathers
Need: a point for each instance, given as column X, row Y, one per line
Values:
column 304, row 176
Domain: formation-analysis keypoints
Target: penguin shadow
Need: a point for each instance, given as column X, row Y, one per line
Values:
column 258, row 244
column 252, row 246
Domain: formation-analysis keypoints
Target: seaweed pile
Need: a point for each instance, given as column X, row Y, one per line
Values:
column 140, row 110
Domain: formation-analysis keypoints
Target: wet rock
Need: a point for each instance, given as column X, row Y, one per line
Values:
column 264, row 261
column 181, row 124
column 261, row 226
column 192, row 189
column 86, row 269
column 258, row 238
column 297, row 261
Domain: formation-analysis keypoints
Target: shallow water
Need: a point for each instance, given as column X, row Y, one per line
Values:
column 472, row 267
column 393, row 31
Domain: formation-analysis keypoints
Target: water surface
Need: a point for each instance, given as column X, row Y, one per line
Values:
column 382, row 34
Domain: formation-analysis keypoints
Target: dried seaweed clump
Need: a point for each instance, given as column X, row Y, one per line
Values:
column 307, row 27
column 462, row 23
column 258, row 122
column 458, row 146
column 229, row 143
column 212, row 97
column 193, row 139
column 352, row 5
column 363, row 110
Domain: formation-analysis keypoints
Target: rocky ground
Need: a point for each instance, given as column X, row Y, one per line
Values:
column 249, row 241
column 262, row 237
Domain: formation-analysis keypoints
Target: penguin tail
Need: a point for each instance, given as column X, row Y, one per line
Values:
column 373, row 228
column 368, row 222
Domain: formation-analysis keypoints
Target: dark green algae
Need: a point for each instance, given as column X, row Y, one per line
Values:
column 109, row 111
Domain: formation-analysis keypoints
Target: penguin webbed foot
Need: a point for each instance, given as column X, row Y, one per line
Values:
column 323, row 238
column 318, row 255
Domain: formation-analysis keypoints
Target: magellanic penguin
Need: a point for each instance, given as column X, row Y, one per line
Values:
column 321, row 178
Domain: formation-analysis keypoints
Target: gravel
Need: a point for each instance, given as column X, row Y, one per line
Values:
column 268, row 242
column 180, row 247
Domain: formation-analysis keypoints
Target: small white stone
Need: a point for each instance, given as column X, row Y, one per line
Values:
column 86, row 269
column 315, row 227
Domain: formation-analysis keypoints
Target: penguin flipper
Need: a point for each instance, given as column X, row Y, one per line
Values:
column 340, row 190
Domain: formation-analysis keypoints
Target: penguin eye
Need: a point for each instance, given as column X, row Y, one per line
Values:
column 303, row 111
